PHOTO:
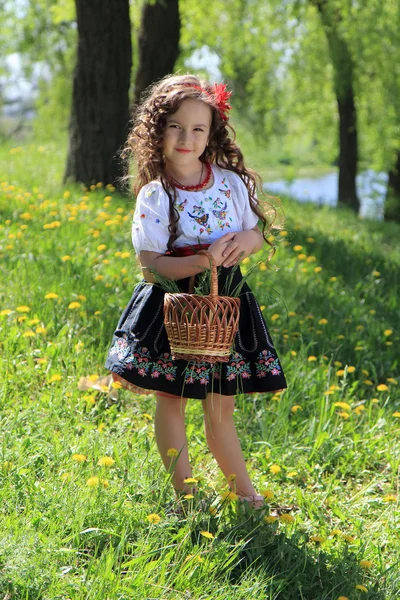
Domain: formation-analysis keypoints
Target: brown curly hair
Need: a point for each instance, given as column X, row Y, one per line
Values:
column 144, row 144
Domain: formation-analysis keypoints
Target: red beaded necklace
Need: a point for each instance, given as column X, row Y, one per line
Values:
column 194, row 188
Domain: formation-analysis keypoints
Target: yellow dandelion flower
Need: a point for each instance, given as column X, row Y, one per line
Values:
column 104, row 483
column 358, row 410
column 295, row 408
column 368, row 382
column 310, row 240
column 366, row 564
column 93, row 481
column 351, row 369
column 73, row 305
column 390, row 498
column 329, row 392
column 262, row 307
column 275, row 469
column 376, row 273
column 283, row 233
column 323, row 321
column 336, row 532
column 262, row 267
column 297, row 248
column 29, row 333
column 392, row 380
column 22, row 309
column 395, row 414
column 105, row 461
column 268, row 494
column 229, row 496
column 207, row 535
column 101, row 427
column 312, row 358
column 55, row 377
column 348, row 538
column 80, row 458
column 302, row 256
column 382, row 387
column 188, row 496
column 172, row 452
column 275, row 317
column 387, row 332
column 333, row 279
column 51, row 296
column 317, row 538
column 67, row 194
column 344, row 405
column 343, row 414
column 271, row 519
column 340, row 372
column 293, row 352
column 318, row 269
column 285, row 518
column 190, row 480
column 292, row 473
column 5, row 312
column 147, row 416
column 362, row 588
column 65, row 258
column 343, row 598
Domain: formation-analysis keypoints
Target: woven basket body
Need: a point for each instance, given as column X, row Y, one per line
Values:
column 201, row 328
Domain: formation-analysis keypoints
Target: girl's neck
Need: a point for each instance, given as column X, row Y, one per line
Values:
column 184, row 175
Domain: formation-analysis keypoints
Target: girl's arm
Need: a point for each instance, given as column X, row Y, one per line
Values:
column 179, row 267
column 242, row 245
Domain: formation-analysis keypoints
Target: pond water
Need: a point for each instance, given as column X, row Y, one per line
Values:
column 371, row 190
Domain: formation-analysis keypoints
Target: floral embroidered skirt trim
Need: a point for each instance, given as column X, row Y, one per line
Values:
column 140, row 354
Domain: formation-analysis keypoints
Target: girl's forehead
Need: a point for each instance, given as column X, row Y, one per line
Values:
column 192, row 110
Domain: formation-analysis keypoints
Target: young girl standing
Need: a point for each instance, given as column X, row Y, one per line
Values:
column 193, row 192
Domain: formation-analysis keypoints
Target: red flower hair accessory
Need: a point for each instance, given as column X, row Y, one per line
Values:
column 221, row 96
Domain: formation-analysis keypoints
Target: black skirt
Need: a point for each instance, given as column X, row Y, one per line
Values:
column 140, row 353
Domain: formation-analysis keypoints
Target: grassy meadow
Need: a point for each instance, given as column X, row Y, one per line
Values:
column 83, row 494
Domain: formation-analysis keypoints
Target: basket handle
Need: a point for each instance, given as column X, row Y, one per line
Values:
column 214, row 277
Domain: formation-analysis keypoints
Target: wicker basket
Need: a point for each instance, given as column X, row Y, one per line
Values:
column 201, row 328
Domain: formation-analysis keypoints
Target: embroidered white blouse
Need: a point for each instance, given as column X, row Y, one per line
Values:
column 204, row 216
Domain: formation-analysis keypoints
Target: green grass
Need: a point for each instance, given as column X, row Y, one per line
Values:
column 331, row 305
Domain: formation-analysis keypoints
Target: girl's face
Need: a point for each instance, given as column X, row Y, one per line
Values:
column 186, row 134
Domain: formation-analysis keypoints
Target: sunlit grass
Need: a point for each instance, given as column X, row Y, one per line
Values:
column 84, row 499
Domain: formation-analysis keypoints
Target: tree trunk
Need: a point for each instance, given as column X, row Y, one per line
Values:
column 158, row 43
column 100, row 102
column 392, row 202
column 343, row 83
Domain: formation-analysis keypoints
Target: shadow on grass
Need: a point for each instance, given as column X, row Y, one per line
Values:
column 290, row 567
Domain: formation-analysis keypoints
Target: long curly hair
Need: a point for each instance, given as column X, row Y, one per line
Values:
column 145, row 141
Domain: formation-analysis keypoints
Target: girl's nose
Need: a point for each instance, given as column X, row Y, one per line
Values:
column 184, row 135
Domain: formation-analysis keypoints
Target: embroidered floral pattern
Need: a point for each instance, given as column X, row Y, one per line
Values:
column 196, row 372
column 267, row 363
column 238, row 367
column 164, row 366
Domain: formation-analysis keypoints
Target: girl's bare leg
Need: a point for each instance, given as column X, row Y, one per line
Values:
column 223, row 442
column 169, row 425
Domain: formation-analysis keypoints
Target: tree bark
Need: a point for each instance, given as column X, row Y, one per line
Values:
column 343, row 83
column 158, row 43
column 100, row 102
column 392, row 201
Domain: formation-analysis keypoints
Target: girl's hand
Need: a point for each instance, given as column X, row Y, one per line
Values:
column 218, row 248
column 241, row 246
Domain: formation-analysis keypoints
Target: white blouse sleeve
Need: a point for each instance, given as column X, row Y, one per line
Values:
column 247, row 217
column 151, row 220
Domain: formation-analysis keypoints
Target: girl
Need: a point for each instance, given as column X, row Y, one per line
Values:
column 193, row 191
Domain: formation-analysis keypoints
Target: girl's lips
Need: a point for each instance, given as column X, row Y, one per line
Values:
column 183, row 151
